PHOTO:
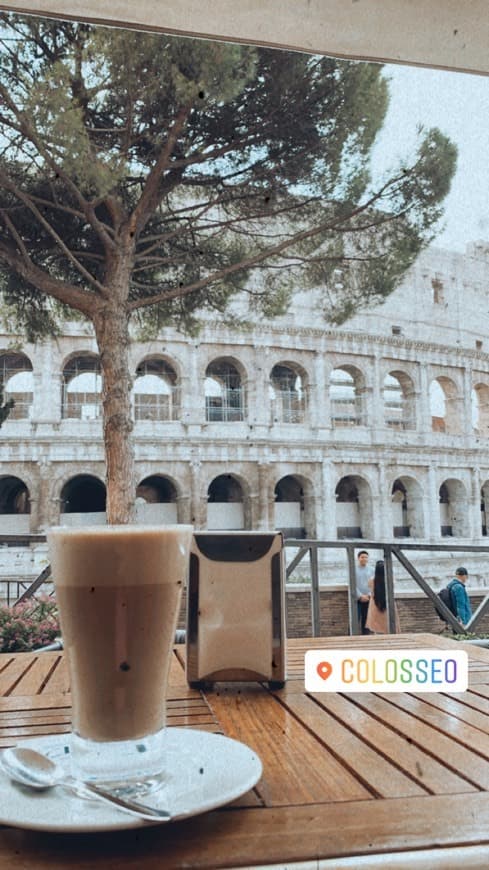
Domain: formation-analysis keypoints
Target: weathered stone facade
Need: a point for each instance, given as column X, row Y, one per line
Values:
column 377, row 429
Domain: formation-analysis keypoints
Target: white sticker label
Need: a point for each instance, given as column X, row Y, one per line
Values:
column 400, row 670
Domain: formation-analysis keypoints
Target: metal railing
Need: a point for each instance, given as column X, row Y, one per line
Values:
column 23, row 588
column 310, row 548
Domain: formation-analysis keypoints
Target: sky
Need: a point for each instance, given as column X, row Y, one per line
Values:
column 458, row 104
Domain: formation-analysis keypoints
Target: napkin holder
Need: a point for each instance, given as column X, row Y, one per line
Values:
column 236, row 608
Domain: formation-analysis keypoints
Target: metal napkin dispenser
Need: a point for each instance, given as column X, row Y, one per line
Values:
column 236, row 608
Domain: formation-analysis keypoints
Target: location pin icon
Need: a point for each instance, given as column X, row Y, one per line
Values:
column 324, row 670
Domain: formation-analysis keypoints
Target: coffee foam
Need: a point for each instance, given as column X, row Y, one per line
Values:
column 118, row 555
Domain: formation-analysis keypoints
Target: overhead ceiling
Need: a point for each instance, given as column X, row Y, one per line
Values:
column 450, row 34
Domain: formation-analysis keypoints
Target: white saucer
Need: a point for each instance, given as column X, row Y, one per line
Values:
column 204, row 771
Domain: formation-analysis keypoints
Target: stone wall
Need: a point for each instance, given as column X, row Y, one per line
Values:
column 416, row 613
column 375, row 430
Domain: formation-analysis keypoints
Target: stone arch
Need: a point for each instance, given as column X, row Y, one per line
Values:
column 454, row 509
column 294, row 506
column 227, row 503
column 480, row 409
column 398, row 395
column 407, row 508
column 17, row 379
column 225, row 399
column 157, row 500
column 14, row 496
column 82, row 500
column 156, row 390
column 15, row 505
column 81, row 387
column 289, row 386
column 485, row 508
column 353, row 508
column 445, row 406
column 347, row 396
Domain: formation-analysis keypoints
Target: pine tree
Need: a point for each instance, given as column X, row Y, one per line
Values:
column 145, row 179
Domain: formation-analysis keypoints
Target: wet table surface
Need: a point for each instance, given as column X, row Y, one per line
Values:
column 350, row 780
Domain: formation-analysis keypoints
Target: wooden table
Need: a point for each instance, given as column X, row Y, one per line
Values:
column 388, row 777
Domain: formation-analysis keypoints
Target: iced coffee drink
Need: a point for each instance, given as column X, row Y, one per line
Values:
column 118, row 590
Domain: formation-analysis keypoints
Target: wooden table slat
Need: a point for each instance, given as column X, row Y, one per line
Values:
column 295, row 765
column 37, row 676
column 453, row 756
column 353, row 749
column 345, row 776
column 471, row 699
column 282, row 835
column 58, row 680
column 481, row 689
column 459, row 708
column 397, row 746
column 13, row 670
column 453, row 727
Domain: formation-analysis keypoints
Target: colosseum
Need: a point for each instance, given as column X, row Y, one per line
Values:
column 376, row 430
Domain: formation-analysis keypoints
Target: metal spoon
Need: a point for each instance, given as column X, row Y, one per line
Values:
column 31, row 768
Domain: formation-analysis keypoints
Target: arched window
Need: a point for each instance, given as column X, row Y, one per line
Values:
column 480, row 409
column 15, row 505
column 156, row 500
column 82, row 388
column 155, row 391
column 83, row 501
column 353, row 508
column 453, row 509
column 445, row 407
column 18, row 384
column 14, row 496
column 347, row 510
column 407, row 508
column 225, row 507
column 289, row 507
column 224, row 394
column 437, row 407
column 345, row 392
column 445, row 524
column 485, row 508
column 400, row 511
column 398, row 396
column 288, row 394
column 474, row 405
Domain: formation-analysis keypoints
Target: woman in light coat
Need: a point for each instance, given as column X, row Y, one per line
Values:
column 377, row 617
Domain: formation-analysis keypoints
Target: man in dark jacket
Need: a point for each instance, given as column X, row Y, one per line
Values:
column 461, row 601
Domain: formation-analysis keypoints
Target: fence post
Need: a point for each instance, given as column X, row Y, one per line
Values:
column 479, row 613
column 45, row 573
column 352, row 591
column 389, row 590
column 315, row 602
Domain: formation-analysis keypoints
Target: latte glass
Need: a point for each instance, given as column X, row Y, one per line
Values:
column 119, row 591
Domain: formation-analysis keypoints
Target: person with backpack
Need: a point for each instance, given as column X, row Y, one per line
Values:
column 460, row 599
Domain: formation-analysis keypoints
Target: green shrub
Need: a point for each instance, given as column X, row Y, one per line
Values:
column 29, row 625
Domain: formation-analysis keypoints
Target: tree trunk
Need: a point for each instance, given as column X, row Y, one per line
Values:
column 111, row 325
